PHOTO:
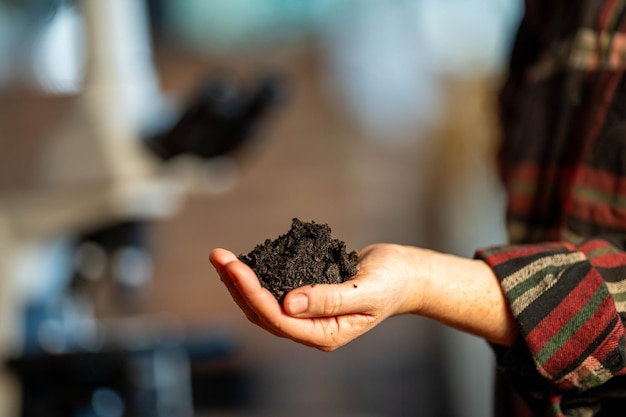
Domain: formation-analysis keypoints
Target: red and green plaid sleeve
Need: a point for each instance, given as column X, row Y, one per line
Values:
column 567, row 301
column 563, row 162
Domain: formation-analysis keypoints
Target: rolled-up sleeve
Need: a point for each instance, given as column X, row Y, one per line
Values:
column 569, row 302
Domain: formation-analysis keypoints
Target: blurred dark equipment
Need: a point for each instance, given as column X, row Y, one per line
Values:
column 159, row 380
column 63, row 358
column 121, row 252
column 104, row 384
column 67, row 371
column 75, row 366
column 220, row 118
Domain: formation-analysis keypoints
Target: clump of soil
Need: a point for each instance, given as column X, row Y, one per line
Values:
column 305, row 255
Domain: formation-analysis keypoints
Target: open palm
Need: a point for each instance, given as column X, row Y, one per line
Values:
column 323, row 316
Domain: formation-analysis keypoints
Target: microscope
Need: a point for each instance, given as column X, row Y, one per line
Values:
column 102, row 179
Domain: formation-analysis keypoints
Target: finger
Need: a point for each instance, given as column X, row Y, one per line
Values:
column 249, row 287
column 257, row 303
column 260, row 306
column 237, row 298
column 329, row 300
column 220, row 258
column 270, row 313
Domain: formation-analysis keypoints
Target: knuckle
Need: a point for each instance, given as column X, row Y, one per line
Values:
column 333, row 302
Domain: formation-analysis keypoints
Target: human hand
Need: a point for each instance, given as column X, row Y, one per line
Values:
column 329, row 316
column 392, row 279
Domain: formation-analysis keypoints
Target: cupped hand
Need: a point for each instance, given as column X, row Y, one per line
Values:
column 328, row 316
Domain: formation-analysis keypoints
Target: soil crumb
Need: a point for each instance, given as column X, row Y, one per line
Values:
column 305, row 255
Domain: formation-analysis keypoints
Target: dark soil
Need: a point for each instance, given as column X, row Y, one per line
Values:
column 305, row 255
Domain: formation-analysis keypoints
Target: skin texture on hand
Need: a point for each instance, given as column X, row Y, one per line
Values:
column 392, row 280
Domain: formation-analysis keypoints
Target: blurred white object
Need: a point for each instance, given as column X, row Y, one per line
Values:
column 95, row 169
column 386, row 60
column 468, row 37
column 380, row 67
column 65, row 54
column 58, row 53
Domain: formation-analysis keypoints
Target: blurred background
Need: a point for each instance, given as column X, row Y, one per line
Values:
column 137, row 135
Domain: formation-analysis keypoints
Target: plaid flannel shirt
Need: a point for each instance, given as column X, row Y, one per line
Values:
column 563, row 162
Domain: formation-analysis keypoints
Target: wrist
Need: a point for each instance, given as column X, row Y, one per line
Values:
column 464, row 293
column 421, row 280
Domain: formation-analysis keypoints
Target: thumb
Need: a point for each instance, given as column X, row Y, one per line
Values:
column 327, row 300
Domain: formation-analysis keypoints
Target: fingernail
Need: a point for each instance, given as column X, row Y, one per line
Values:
column 298, row 304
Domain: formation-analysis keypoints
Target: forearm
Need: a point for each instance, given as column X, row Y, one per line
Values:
column 465, row 294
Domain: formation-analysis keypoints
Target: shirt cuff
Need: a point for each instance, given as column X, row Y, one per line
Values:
column 567, row 318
